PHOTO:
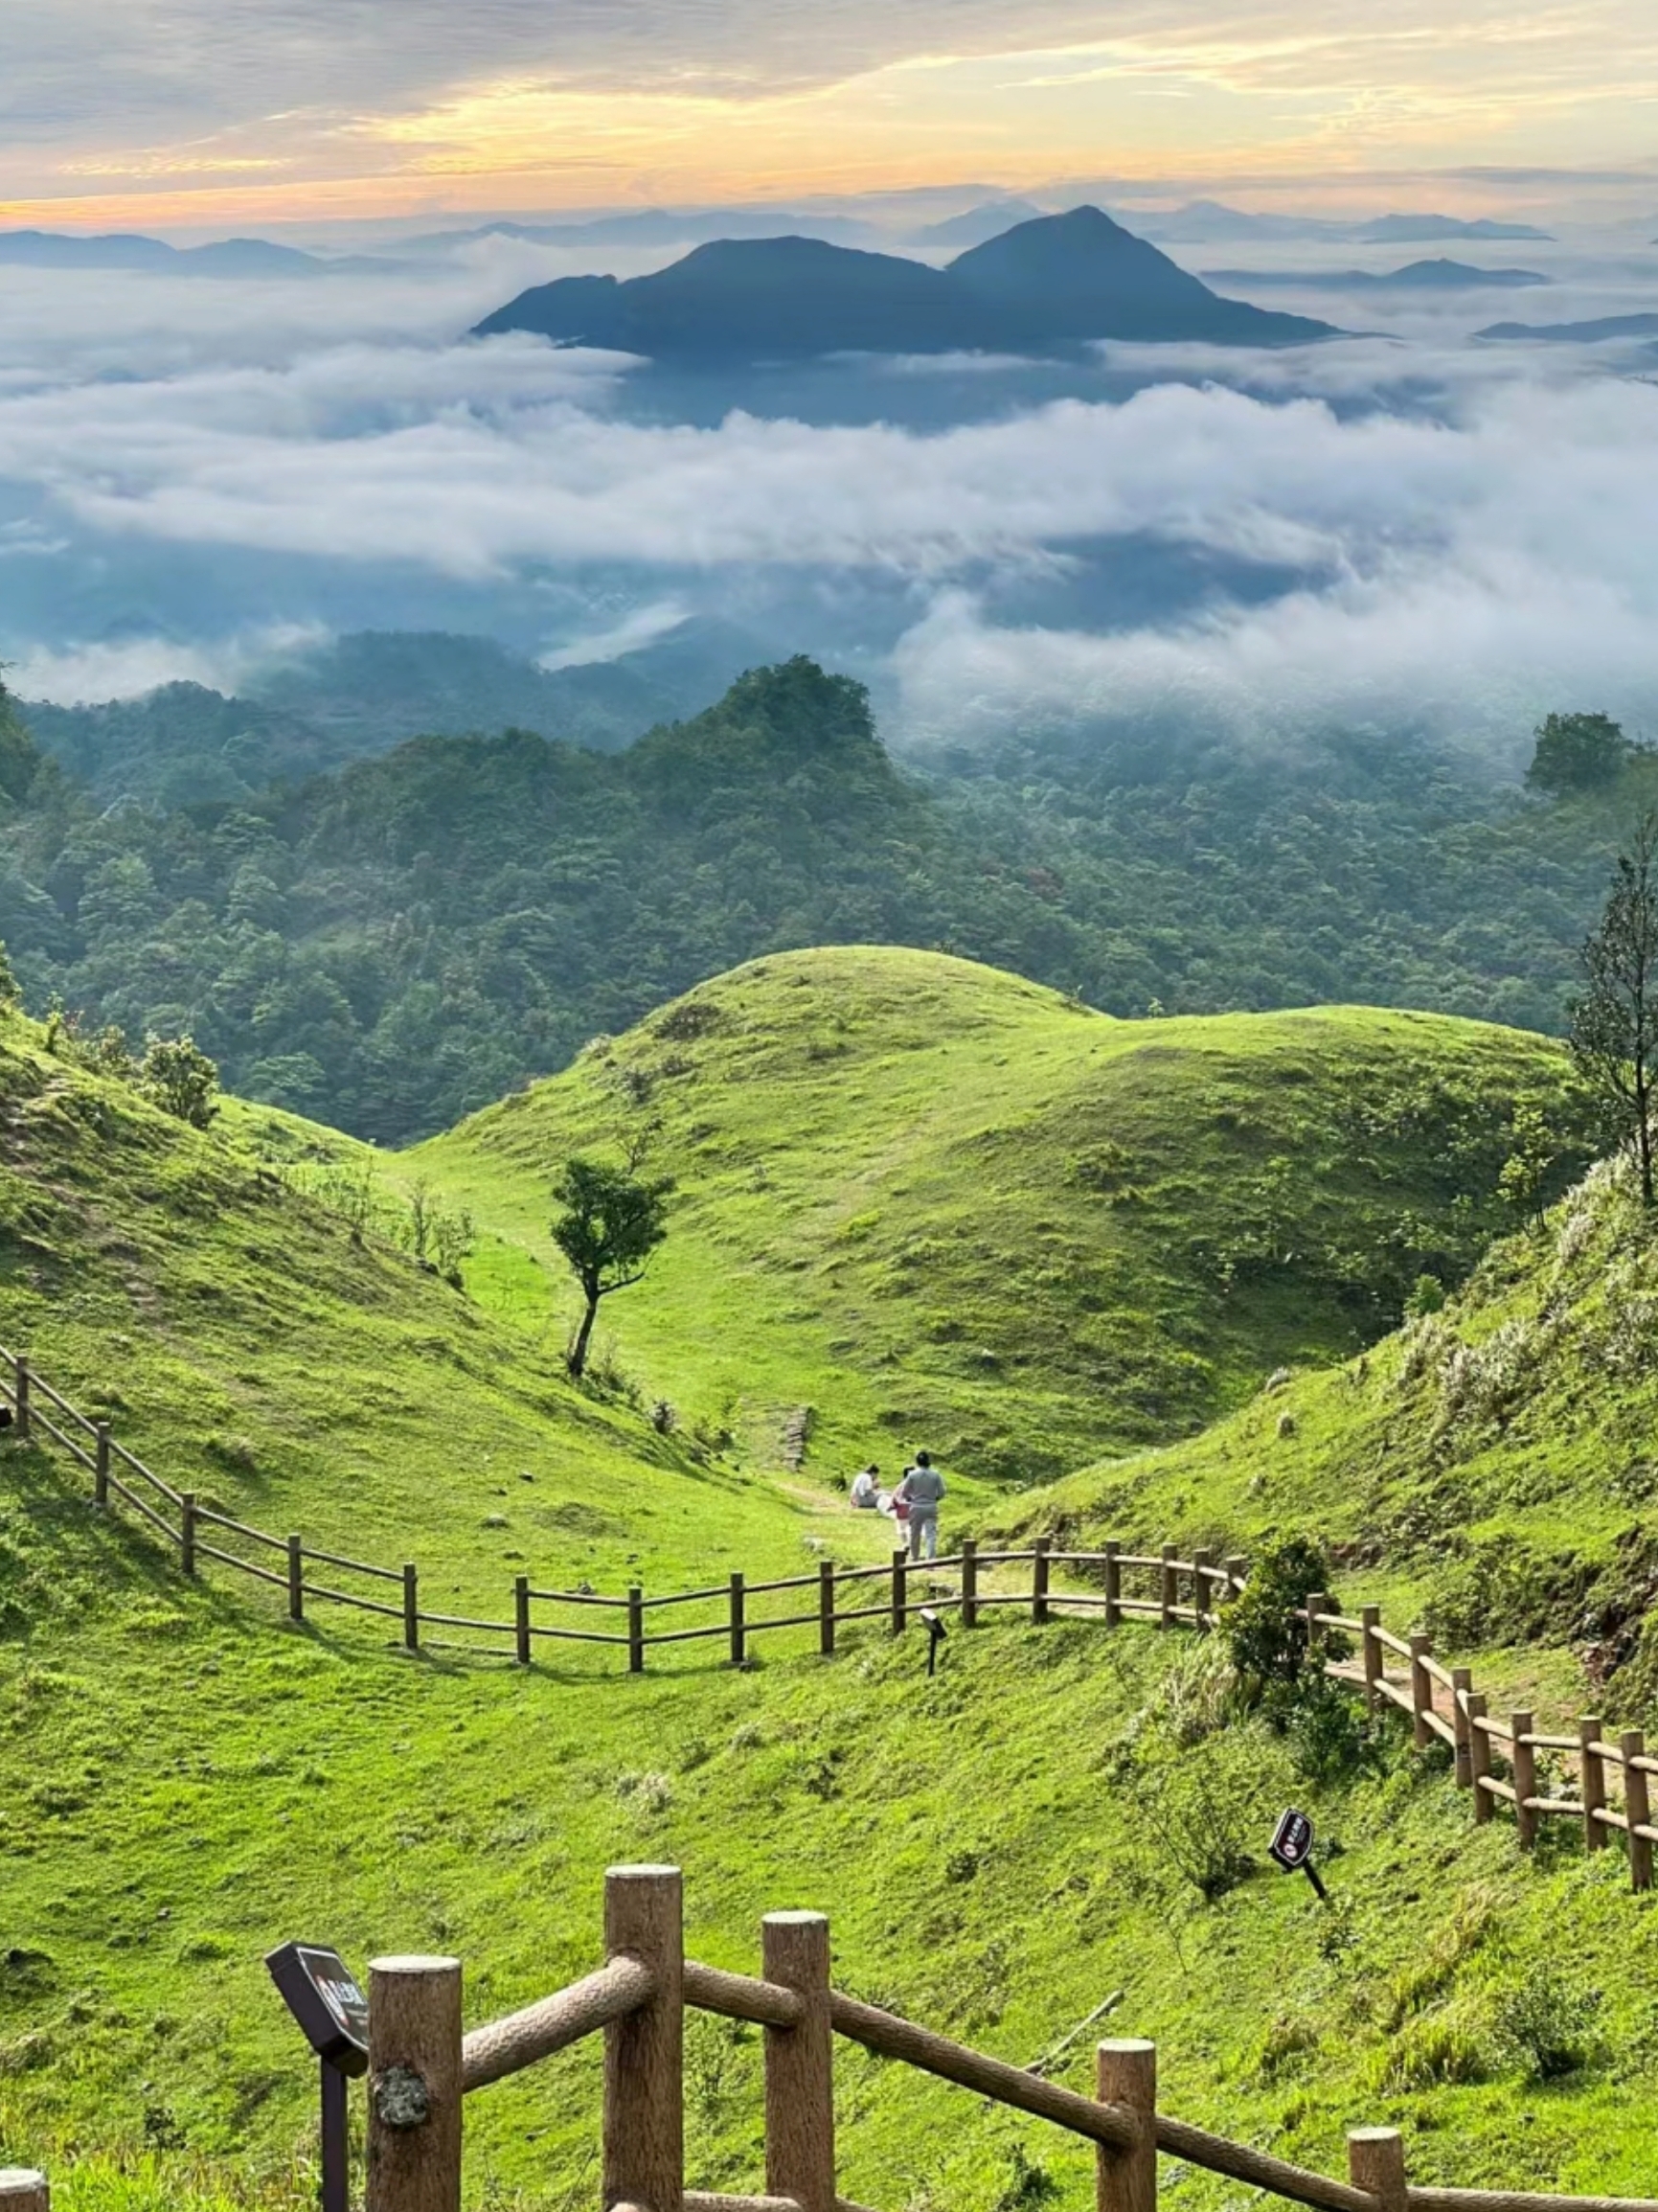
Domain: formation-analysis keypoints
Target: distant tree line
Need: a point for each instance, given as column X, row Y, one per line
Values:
column 395, row 945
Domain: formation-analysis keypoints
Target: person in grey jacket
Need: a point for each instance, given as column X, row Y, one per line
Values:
column 921, row 1489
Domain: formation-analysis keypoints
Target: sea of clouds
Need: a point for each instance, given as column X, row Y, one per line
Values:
column 1401, row 528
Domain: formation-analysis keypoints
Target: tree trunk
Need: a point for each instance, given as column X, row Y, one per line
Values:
column 583, row 1336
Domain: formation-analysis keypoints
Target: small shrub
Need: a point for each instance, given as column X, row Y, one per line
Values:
column 1427, row 1295
column 1332, row 1737
column 181, row 1080
column 663, row 1418
column 1284, row 2041
column 1029, row 2186
column 1429, row 2054
column 1267, row 1644
column 646, row 1792
column 1550, row 2023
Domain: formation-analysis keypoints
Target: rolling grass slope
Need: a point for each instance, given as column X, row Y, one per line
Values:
column 186, row 1780
column 943, row 1205
column 1490, row 1466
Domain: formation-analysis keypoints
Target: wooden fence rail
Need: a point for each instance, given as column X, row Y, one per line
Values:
column 1496, row 1762
column 637, row 2001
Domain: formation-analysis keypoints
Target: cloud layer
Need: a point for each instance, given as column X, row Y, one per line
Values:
column 1461, row 565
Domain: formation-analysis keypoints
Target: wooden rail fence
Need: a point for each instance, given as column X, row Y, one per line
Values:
column 1496, row 1761
column 422, row 2067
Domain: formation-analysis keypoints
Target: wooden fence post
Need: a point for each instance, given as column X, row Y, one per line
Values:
column 1593, row 1791
column 1317, row 1602
column 1370, row 1651
column 1202, row 1570
column 411, row 1610
column 1637, row 1805
column 1462, row 1685
column 521, row 1617
column 799, row 2108
column 1479, row 1756
column 296, row 1579
column 1376, row 2163
column 1421, row 1690
column 738, row 1621
column 20, row 1397
column 24, row 2190
column 900, row 1567
column 186, row 1531
column 1126, row 2074
column 1113, row 1583
column 414, row 2086
column 1039, row 1578
column 1168, row 1597
column 1237, row 1572
column 826, row 1608
column 644, row 2053
column 100, row 1464
column 1524, row 1779
column 636, row 1643
column 969, row 1581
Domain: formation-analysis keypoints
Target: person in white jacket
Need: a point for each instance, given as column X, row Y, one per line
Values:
column 921, row 1489
column 866, row 1488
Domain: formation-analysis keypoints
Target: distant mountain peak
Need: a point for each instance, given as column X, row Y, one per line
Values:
column 1059, row 279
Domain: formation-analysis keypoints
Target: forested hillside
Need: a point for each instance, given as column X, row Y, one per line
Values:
column 397, row 944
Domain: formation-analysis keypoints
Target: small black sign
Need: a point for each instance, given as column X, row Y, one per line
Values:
column 322, row 1993
column 1291, row 1844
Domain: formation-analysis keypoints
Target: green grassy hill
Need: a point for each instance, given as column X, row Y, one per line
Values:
column 942, row 1205
column 186, row 1779
column 1491, row 1465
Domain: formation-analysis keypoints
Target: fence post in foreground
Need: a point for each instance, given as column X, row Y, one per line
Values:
column 414, row 2085
column 1113, row 1583
column 1524, row 1779
column 100, row 1464
column 411, row 1610
column 1169, row 1596
column 1236, row 1574
column 1370, row 1651
column 1421, row 1689
column 1479, row 1756
column 636, row 1654
column 738, row 1621
column 1376, row 2163
column 901, row 1564
column 296, row 1579
column 521, row 1617
column 20, row 1396
column 1594, row 1790
column 1127, row 2180
column 800, row 2110
column 969, row 1581
column 186, row 1531
column 1039, row 1578
column 1462, row 1685
column 1317, row 1602
column 1637, row 1805
column 826, row 1608
column 23, row 2190
column 644, row 2053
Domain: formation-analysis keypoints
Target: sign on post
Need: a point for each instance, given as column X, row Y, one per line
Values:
column 1291, row 1847
column 327, row 2001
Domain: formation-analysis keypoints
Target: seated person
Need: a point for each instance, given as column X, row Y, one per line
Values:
column 866, row 1488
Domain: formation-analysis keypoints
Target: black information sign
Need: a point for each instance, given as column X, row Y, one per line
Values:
column 326, row 1999
column 1291, row 1846
column 934, row 1628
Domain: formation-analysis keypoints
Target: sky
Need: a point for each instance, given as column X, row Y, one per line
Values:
column 243, row 113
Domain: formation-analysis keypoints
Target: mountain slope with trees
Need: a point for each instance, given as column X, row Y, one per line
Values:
column 398, row 943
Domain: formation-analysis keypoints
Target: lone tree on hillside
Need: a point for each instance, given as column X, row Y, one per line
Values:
column 1615, row 1023
column 612, row 1221
column 1578, row 753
